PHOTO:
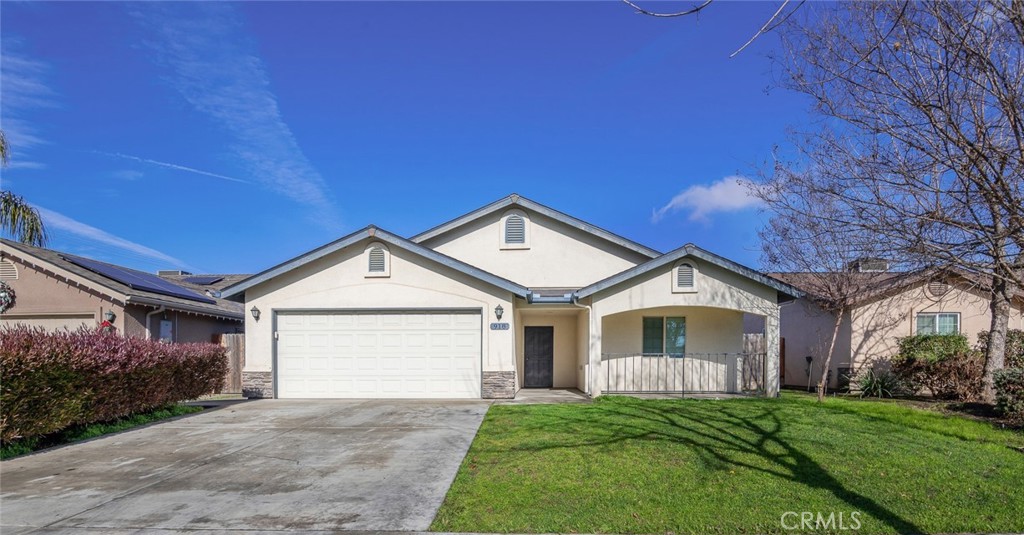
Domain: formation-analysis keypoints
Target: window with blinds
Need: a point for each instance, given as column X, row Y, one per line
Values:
column 515, row 229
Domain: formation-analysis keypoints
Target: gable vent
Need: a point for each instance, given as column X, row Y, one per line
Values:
column 8, row 271
column 938, row 288
column 376, row 260
column 684, row 276
column 515, row 229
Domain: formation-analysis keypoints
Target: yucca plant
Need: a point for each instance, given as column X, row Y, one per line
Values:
column 880, row 384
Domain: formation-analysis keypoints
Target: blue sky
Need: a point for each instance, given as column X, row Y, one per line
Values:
column 222, row 137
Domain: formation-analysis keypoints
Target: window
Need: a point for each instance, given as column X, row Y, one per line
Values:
column 8, row 271
column 378, row 261
column 515, row 230
column 664, row 336
column 938, row 323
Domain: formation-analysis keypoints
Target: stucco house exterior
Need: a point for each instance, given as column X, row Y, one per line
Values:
column 512, row 295
column 56, row 290
column 895, row 305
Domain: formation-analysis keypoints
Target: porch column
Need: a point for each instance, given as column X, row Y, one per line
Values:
column 594, row 369
column 771, row 341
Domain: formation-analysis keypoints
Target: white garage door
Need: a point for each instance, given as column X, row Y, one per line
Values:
column 378, row 355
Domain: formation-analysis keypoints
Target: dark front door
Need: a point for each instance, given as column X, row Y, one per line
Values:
column 539, row 356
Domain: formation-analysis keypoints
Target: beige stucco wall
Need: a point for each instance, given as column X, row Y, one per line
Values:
column 716, row 288
column 872, row 331
column 338, row 281
column 708, row 330
column 566, row 354
column 559, row 256
column 43, row 299
column 191, row 327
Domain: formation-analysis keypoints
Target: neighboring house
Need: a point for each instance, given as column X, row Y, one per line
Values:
column 898, row 304
column 57, row 290
column 512, row 295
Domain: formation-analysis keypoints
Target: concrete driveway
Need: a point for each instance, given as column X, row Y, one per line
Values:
column 253, row 466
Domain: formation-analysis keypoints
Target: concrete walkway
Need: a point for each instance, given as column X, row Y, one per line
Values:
column 259, row 466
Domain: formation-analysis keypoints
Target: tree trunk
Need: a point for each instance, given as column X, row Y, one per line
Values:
column 823, row 383
column 995, row 353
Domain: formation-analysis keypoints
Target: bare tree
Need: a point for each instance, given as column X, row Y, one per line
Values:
column 921, row 137
column 803, row 238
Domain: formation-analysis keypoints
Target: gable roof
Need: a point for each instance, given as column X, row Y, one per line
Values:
column 787, row 291
column 887, row 283
column 235, row 291
column 114, row 289
column 520, row 201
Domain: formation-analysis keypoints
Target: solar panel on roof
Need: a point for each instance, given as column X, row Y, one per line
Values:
column 137, row 280
column 203, row 279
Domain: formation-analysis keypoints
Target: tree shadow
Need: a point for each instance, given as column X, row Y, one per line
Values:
column 721, row 442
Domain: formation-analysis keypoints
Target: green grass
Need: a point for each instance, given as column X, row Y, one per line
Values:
column 85, row 432
column 734, row 466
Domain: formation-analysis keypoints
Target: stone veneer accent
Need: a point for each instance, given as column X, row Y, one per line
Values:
column 499, row 385
column 258, row 384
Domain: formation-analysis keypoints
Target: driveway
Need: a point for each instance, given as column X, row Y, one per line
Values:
column 258, row 465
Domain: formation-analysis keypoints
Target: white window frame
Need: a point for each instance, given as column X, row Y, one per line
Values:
column 526, row 230
column 935, row 315
column 675, row 277
column 387, row 260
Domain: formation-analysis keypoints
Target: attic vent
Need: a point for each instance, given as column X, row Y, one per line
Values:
column 515, row 229
column 938, row 288
column 8, row 271
column 684, row 276
column 377, row 260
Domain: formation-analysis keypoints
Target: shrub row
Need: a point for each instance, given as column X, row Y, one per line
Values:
column 944, row 364
column 1009, row 383
column 49, row 381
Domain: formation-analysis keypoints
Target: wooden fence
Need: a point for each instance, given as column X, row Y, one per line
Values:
column 235, row 344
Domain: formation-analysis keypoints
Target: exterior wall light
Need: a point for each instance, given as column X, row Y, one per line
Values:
column 109, row 316
column 255, row 313
column 498, row 311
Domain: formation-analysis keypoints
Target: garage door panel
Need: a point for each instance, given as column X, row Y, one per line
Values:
column 384, row 355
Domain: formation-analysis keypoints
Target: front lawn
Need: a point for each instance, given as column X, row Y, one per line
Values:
column 735, row 466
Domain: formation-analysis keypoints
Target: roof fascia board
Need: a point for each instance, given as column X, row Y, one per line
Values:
column 787, row 292
column 239, row 288
column 546, row 211
column 140, row 300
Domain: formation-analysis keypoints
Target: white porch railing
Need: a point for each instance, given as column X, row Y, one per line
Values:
column 647, row 373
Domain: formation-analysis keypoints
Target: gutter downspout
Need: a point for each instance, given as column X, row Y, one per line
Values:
column 574, row 301
column 149, row 332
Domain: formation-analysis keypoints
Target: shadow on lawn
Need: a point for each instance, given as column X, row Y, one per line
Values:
column 723, row 439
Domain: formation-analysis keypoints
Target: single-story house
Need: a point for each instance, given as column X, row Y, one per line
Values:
column 892, row 305
column 512, row 295
column 58, row 290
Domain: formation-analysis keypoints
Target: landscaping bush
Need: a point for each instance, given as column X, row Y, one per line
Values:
column 944, row 364
column 1009, row 385
column 1014, row 347
column 49, row 381
column 879, row 384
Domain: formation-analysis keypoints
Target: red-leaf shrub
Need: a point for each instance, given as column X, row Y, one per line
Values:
column 49, row 381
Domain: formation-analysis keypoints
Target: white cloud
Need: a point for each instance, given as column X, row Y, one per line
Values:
column 23, row 90
column 107, row 241
column 730, row 194
column 218, row 71
column 171, row 166
column 127, row 174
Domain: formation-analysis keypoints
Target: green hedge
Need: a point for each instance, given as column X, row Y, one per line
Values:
column 1009, row 385
column 944, row 364
column 50, row 381
column 1014, row 347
